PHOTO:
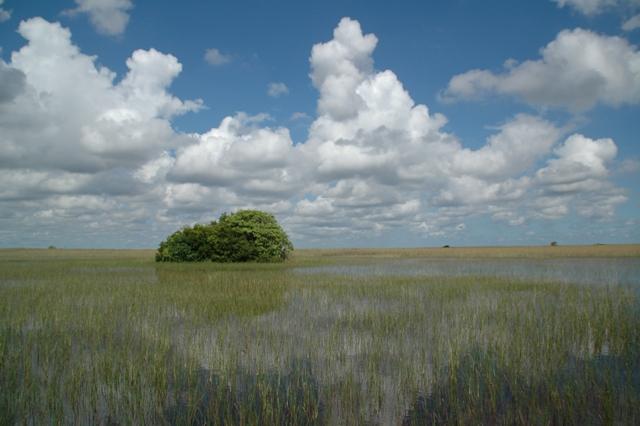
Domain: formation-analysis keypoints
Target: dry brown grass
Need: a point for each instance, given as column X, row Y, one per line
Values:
column 75, row 254
column 613, row 250
column 601, row 250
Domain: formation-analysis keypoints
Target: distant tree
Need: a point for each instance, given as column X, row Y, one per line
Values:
column 247, row 235
column 553, row 243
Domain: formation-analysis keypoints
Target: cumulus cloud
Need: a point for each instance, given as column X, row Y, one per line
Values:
column 374, row 149
column 12, row 82
column 155, row 170
column 581, row 163
column 368, row 125
column 375, row 160
column 81, row 147
column 71, row 116
column 33, row 184
column 510, row 152
column 214, row 57
column 109, row 17
column 67, row 129
column 277, row 89
column 577, row 70
column 192, row 197
column 339, row 66
column 241, row 155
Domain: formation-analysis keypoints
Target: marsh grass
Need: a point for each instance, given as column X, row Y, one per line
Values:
column 109, row 337
column 528, row 252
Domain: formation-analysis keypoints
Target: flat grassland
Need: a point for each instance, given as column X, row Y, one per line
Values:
column 111, row 337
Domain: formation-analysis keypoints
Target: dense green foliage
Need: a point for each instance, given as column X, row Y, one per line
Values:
column 247, row 235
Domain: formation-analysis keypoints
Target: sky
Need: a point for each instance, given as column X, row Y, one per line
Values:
column 356, row 123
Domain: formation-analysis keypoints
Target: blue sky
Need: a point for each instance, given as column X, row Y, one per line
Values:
column 356, row 123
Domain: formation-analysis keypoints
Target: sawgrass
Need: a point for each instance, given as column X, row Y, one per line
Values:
column 560, row 251
column 107, row 336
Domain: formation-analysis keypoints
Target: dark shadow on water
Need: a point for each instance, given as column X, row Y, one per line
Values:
column 480, row 390
column 271, row 398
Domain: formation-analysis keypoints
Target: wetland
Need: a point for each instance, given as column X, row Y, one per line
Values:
column 414, row 336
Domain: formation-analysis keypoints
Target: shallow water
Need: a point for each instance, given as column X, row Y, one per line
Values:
column 607, row 271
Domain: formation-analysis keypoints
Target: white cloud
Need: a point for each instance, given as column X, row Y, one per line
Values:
column 190, row 196
column 595, row 7
column 602, row 205
column 241, row 155
column 214, row 57
column 509, row 217
column 299, row 116
column 275, row 90
column 577, row 176
column 156, row 169
column 371, row 139
column 66, row 129
column 12, row 82
column 629, row 165
column 339, row 66
column 511, row 152
column 469, row 190
column 144, row 87
column 632, row 23
column 81, row 147
column 581, row 163
column 27, row 184
column 109, row 17
column 368, row 125
column 384, row 149
column 69, row 115
column 315, row 208
column 5, row 15
column 588, row 7
column 578, row 70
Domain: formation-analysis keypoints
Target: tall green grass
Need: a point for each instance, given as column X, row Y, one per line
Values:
column 113, row 338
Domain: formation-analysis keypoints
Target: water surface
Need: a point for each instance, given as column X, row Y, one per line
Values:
column 625, row 271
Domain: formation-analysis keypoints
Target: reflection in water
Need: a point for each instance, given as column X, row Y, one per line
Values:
column 347, row 344
column 624, row 271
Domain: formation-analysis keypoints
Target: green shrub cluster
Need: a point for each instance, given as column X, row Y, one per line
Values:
column 247, row 235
